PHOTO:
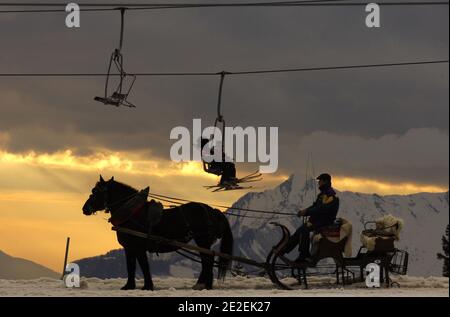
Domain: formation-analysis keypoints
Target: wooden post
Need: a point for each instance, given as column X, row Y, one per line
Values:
column 65, row 257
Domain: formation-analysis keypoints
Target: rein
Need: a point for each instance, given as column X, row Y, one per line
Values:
column 228, row 213
column 123, row 200
column 180, row 201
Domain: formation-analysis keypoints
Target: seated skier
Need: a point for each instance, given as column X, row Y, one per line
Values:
column 227, row 170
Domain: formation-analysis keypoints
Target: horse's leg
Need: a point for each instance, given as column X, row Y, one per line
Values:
column 201, row 284
column 208, row 267
column 131, row 269
column 143, row 263
column 205, row 280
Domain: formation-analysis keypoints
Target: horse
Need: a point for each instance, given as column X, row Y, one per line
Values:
column 190, row 221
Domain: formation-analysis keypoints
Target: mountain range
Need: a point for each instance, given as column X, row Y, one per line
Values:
column 12, row 268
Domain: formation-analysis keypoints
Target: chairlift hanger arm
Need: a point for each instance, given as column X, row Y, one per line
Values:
column 219, row 117
column 219, row 99
column 122, row 25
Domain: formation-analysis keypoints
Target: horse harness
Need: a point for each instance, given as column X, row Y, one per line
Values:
column 147, row 227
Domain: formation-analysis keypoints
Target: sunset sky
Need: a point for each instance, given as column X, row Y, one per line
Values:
column 375, row 130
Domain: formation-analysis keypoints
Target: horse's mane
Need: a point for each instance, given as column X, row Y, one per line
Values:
column 125, row 186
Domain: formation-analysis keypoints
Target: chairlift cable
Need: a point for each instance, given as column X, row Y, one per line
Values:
column 249, row 72
column 288, row 70
column 100, row 7
column 173, row 4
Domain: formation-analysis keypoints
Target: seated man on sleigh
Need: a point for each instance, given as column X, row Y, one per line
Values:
column 321, row 214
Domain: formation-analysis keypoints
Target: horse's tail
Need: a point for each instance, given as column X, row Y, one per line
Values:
column 226, row 245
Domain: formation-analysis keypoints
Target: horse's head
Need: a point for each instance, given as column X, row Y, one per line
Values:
column 98, row 198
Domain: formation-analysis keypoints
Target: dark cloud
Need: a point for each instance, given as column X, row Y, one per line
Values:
column 48, row 114
column 421, row 155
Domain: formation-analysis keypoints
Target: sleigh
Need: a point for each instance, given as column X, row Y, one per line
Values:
column 378, row 246
column 329, row 243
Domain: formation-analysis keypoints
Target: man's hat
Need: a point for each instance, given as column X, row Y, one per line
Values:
column 324, row 177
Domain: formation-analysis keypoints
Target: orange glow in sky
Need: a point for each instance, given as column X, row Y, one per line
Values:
column 41, row 196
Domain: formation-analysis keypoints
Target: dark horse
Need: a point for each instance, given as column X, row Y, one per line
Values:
column 190, row 221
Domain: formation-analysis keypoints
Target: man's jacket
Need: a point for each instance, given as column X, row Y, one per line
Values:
column 324, row 210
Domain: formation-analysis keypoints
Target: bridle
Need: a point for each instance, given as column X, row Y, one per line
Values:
column 103, row 189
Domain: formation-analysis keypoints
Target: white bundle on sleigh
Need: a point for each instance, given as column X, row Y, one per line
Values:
column 387, row 229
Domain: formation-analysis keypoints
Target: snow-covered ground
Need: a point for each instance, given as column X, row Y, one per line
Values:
column 233, row 286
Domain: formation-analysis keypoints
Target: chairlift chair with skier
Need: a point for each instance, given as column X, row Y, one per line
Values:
column 225, row 167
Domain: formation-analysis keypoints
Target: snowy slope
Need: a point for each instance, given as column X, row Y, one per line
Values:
column 426, row 216
column 233, row 287
column 112, row 265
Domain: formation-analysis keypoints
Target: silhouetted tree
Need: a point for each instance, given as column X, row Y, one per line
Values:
column 445, row 255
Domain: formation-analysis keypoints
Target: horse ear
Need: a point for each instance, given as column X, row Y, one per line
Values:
column 101, row 179
column 112, row 179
